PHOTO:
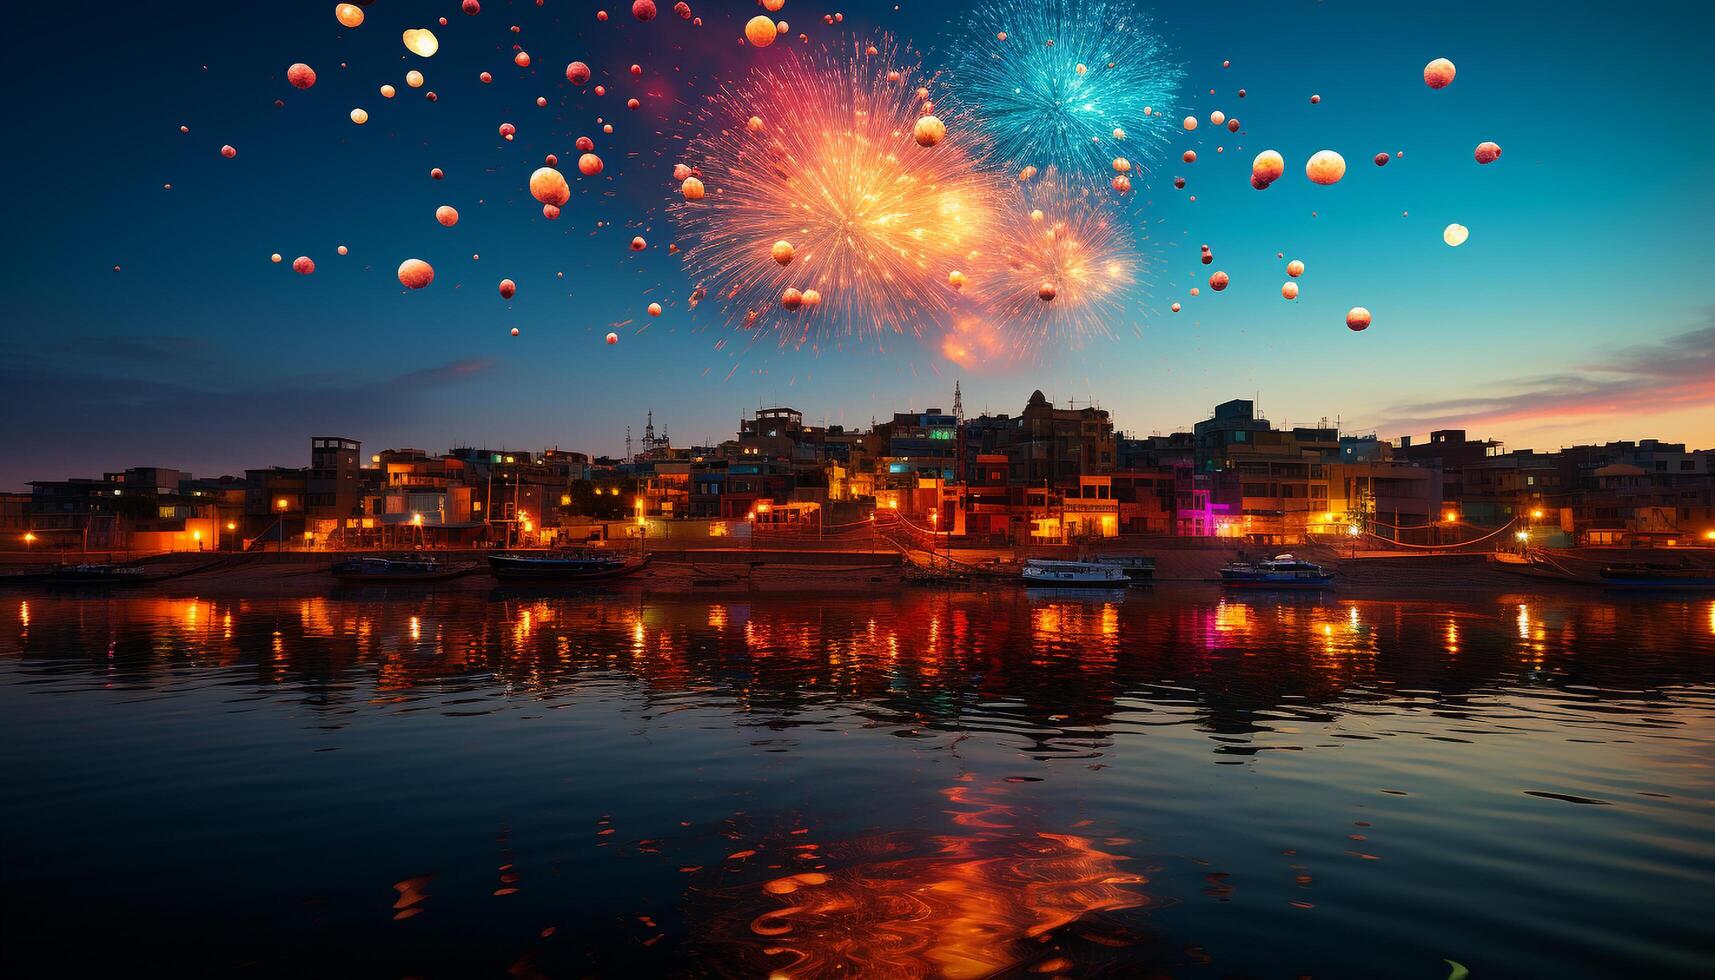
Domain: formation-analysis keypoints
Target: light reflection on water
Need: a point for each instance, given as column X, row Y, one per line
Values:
column 929, row 784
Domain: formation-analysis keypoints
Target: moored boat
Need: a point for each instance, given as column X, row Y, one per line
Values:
column 106, row 576
column 375, row 569
column 1040, row 572
column 1279, row 572
column 1138, row 568
column 563, row 566
column 1660, row 577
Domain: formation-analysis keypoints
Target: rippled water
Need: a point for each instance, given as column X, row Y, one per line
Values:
column 924, row 784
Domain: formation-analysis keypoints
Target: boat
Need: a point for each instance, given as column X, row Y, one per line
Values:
column 1656, row 576
column 107, row 576
column 563, row 566
column 379, row 570
column 1279, row 572
column 1074, row 574
column 1138, row 568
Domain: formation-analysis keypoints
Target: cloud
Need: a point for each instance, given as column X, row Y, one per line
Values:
column 1672, row 374
column 83, row 406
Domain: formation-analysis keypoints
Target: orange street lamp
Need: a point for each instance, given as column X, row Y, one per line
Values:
column 1451, row 517
column 281, row 503
column 417, row 519
column 1709, row 535
column 1536, row 515
column 232, row 525
column 30, row 539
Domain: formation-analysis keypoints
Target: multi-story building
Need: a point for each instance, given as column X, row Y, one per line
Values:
column 1272, row 481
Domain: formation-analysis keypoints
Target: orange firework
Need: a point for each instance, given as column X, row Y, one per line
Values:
column 817, row 150
column 1057, row 267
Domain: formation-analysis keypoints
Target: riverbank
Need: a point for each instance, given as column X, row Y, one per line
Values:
column 745, row 570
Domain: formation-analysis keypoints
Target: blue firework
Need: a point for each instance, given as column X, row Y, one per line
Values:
column 1068, row 85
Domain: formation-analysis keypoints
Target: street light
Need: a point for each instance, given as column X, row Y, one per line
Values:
column 30, row 540
column 934, row 522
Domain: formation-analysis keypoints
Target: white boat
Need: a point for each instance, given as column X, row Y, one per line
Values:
column 1074, row 574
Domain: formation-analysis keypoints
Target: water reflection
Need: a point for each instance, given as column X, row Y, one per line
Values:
column 923, row 784
column 1050, row 670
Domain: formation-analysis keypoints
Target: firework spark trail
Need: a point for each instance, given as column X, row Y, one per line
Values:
column 1054, row 237
column 875, row 221
column 1063, row 80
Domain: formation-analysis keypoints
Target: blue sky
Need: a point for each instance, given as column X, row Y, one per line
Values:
column 1579, row 309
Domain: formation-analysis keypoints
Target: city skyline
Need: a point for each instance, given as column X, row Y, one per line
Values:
column 1575, row 312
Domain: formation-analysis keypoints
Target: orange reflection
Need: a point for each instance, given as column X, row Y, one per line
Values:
column 953, row 905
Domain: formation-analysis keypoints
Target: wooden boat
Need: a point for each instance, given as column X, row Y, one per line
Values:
column 562, row 566
column 1660, row 577
column 1039, row 572
column 1138, row 568
column 1279, row 572
column 374, row 569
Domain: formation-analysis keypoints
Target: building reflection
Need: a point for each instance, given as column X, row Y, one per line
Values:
column 1055, row 675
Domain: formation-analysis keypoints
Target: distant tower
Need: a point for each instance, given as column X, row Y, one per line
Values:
column 649, row 432
column 958, row 433
column 628, row 443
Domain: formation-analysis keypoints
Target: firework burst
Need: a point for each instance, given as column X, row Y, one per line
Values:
column 1058, row 269
column 1069, row 86
column 823, row 151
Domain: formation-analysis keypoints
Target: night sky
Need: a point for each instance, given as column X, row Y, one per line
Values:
column 1580, row 309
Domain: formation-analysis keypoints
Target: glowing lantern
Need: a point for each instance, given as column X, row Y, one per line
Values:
column 508, row 289
column 1455, row 235
column 1439, row 73
column 1357, row 318
column 1289, row 290
column 348, row 14
column 359, row 116
column 692, row 189
column 1217, row 118
column 589, row 165
column 612, row 339
column 303, row 266
column 1488, row 152
column 301, row 75
column 471, row 7
column 791, row 298
column 638, row 244
column 1121, row 165
column 585, row 144
column 421, row 42
column 1189, row 156
column 436, row 173
column 1190, row 123
column 1268, row 166
column 550, row 211
column 414, row 78
column 507, row 130
column 275, row 258
column 1295, row 268
column 643, row 10
column 1122, row 183
column 956, row 279
column 447, row 215
column 760, row 31
column 388, row 91
column 549, row 186
column 782, row 252
column 929, row 130
column 415, row 273
column 1175, row 307
column 654, row 309
column 812, row 298
column 228, row 152
column 1381, row 159
column 1046, row 292
column 577, row 73
column 342, row 250
column 1315, row 100
column 1218, row 281
column 754, row 124
column 1325, row 167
